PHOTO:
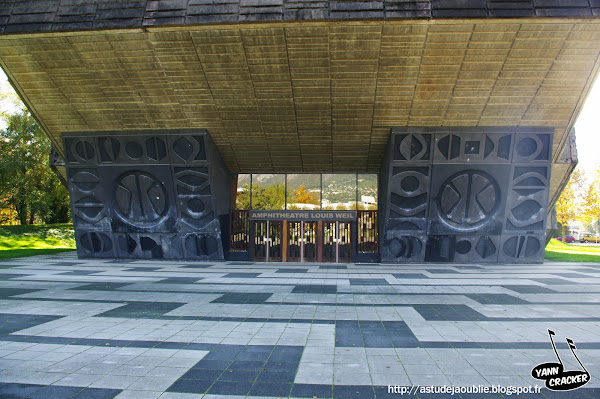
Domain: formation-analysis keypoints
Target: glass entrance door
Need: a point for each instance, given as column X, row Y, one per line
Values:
column 309, row 241
column 267, row 241
column 337, row 243
column 344, row 242
column 302, row 242
column 260, row 240
column 275, row 236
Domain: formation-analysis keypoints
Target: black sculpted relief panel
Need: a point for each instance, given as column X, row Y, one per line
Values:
column 147, row 194
column 465, row 195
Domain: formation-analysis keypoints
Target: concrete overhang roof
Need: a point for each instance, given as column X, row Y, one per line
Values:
column 308, row 96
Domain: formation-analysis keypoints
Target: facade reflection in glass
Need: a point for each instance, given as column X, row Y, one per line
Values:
column 307, row 191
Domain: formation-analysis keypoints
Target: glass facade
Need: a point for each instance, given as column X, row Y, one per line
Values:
column 367, row 191
column 303, row 191
column 242, row 198
column 307, row 191
column 267, row 191
column 339, row 191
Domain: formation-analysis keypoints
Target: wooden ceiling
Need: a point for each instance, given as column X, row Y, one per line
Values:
column 307, row 96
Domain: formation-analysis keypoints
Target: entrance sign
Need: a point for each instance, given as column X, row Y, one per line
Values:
column 303, row 215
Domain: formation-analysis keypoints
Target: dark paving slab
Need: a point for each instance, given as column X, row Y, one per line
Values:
column 353, row 392
column 314, row 289
column 10, row 292
column 196, row 266
column 65, row 263
column 10, row 323
column 368, row 281
column 34, row 391
column 401, row 276
column 291, row 271
column 327, row 267
column 56, row 392
column 439, row 312
column 101, row 286
column 572, row 275
column 442, row 271
column 143, row 269
column 497, row 299
column 265, row 370
column 242, row 275
column 179, row 280
column 529, row 289
column 588, row 269
column 9, row 276
column 141, row 310
column 316, row 391
column 374, row 334
column 242, row 297
column 552, row 281
column 79, row 273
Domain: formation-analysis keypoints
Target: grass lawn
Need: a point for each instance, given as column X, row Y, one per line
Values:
column 559, row 251
column 28, row 240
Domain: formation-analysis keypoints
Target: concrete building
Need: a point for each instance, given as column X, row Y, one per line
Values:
column 457, row 115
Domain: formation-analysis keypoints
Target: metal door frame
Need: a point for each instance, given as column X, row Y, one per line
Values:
column 268, row 242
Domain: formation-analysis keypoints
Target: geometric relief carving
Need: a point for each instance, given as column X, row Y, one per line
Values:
column 80, row 150
column 462, row 249
column 84, row 180
column 95, row 244
column 409, row 196
column 440, row 249
column 145, row 195
column 109, row 148
column 188, row 149
column 468, row 199
column 88, row 210
column 465, row 193
column 136, row 150
column 140, row 197
column 148, row 246
column 192, row 181
column 412, row 147
column 194, row 200
column 403, row 247
column 532, row 147
column 476, row 249
column 528, row 196
column 522, row 248
column 201, row 246
column 473, row 147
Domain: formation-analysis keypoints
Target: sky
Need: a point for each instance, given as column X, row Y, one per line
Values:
column 587, row 131
column 587, row 126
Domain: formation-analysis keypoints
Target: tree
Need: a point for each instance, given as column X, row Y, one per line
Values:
column 27, row 185
column 568, row 204
column 301, row 196
column 269, row 197
column 242, row 199
column 591, row 199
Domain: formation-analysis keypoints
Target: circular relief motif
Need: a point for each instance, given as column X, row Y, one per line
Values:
column 463, row 247
column 97, row 243
column 405, row 246
column 468, row 199
column 201, row 244
column 134, row 150
column 140, row 197
column 84, row 150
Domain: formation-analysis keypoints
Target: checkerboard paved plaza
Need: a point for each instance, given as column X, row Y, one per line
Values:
column 149, row 329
